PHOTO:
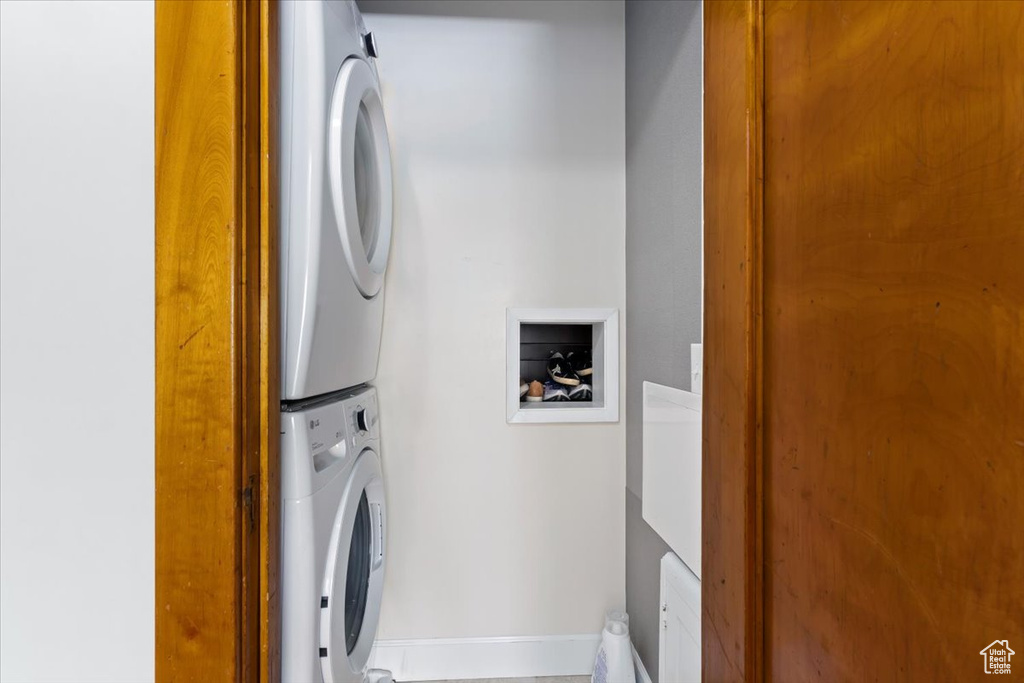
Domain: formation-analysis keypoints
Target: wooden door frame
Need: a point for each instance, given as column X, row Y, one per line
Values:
column 217, row 395
column 732, row 571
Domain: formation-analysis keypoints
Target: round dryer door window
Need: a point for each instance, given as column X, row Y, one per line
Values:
column 359, row 158
column 354, row 574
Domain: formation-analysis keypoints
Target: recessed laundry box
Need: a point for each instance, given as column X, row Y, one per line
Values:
column 587, row 338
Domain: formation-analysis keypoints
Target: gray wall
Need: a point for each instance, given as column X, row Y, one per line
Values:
column 663, row 256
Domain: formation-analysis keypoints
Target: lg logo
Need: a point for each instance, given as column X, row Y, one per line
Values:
column 313, row 424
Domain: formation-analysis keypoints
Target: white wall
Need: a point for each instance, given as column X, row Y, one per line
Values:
column 76, row 341
column 507, row 125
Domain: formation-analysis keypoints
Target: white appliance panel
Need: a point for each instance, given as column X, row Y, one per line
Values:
column 672, row 469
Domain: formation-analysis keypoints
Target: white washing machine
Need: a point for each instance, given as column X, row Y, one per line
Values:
column 333, row 538
column 336, row 199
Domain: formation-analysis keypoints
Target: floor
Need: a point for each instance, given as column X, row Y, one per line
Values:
column 545, row 679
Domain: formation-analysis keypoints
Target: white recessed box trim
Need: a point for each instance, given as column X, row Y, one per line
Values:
column 605, row 405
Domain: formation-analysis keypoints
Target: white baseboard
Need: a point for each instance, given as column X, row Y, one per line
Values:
column 461, row 658
column 641, row 671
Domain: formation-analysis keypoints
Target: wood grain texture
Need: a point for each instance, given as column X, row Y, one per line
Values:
column 893, row 339
column 216, row 336
column 249, row 335
column 731, row 565
column 198, row 436
column 270, row 412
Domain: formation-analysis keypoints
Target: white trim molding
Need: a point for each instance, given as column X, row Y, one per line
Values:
column 641, row 671
column 503, row 657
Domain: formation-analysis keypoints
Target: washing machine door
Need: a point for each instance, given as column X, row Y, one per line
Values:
column 359, row 162
column 354, row 575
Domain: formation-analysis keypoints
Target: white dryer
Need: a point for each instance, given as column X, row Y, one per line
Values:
column 336, row 199
column 333, row 538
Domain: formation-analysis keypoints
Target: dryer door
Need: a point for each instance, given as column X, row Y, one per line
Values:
column 354, row 575
column 359, row 161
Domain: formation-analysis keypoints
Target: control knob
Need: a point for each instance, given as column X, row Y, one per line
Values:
column 366, row 419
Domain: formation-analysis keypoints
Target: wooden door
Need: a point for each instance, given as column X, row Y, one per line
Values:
column 217, row 396
column 882, row 244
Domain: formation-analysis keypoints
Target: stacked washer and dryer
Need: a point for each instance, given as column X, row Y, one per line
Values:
column 335, row 236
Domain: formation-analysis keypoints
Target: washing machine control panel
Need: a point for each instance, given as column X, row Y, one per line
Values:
column 318, row 438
